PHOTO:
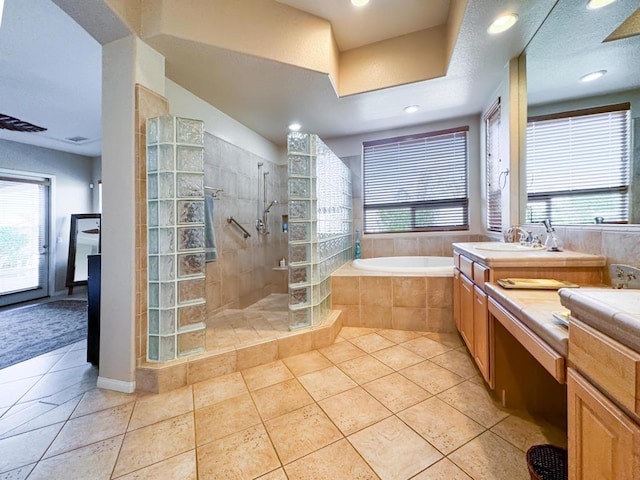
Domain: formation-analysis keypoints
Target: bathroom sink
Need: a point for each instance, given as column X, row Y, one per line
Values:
column 506, row 247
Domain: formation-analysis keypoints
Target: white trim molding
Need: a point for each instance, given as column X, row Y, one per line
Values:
column 116, row 385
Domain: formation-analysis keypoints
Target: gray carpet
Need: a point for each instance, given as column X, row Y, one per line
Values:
column 36, row 329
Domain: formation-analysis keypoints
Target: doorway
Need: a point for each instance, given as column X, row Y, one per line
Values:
column 24, row 238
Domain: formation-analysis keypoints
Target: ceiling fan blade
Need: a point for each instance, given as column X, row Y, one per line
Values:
column 11, row 123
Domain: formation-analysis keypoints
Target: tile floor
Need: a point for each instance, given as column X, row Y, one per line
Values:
column 267, row 319
column 377, row 404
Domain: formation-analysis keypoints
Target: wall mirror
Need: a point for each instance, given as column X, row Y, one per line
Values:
column 84, row 240
column 574, row 41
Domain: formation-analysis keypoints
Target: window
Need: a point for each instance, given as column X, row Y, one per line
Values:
column 493, row 163
column 416, row 183
column 578, row 166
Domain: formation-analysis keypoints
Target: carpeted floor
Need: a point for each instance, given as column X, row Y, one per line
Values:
column 36, row 329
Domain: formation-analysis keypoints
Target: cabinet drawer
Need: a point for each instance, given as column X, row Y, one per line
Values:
column 480, row 274
column 612, row 366
column 466, row 266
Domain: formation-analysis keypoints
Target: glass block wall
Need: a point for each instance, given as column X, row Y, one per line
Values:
column 175, row 232
column 320, row 226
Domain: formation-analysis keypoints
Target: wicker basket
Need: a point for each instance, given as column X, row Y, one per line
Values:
column 547, row 462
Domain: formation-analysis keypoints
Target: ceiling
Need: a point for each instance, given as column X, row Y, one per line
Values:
column 51, row 70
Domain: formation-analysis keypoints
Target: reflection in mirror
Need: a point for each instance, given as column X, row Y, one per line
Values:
column 84, row 240
column 572, row 42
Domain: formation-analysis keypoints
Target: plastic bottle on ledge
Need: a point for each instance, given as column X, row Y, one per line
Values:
column 358, row 253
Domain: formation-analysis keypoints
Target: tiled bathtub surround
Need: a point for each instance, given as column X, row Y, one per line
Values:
column 397, row 301
column 175, row 237
column 320, row 226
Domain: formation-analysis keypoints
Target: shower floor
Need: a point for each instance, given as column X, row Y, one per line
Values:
column 267, row 319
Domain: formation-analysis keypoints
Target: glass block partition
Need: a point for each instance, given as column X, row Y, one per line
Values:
column 320, row 226
column 175, row 238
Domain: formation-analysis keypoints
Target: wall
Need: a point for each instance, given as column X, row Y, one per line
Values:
column 71, row 193
column 349, row 149
column 243, row 273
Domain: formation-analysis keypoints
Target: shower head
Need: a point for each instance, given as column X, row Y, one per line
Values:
column 273, row 202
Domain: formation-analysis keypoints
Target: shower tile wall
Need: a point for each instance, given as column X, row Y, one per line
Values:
column 243, row 273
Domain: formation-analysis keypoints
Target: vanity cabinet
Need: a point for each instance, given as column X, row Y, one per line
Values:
column 603, row 406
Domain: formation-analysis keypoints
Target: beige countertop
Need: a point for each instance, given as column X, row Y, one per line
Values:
column 615, row 313
column 534, row 308
column 527, row 258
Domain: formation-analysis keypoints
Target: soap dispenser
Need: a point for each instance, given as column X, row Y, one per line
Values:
column 552, row 242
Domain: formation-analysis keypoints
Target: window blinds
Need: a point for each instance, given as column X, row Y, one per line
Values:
column 578, row 167
column 493, row 166
column 416, row 183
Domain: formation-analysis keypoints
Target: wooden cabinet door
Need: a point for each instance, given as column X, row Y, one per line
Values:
column 481, row 332
column 456, row 297
column 604, row 444
column 466, row 311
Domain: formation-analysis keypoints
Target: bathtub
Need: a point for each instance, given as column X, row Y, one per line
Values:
column 428, row 266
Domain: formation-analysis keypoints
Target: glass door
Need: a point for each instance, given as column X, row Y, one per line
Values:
column 24, row 239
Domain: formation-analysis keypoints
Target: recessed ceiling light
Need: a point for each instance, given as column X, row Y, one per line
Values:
column 412, row 108
column 595, row 4
column 294, row 127
column 503, row 23
column 359, row 3
column 590, row 77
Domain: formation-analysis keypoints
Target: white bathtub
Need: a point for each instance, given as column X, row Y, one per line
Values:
column 429, row 266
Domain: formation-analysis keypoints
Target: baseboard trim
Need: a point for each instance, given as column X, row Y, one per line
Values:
column 117, row 385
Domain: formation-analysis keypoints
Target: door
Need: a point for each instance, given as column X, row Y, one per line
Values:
column 481, row 333
column 24, row 239
column 466, row 311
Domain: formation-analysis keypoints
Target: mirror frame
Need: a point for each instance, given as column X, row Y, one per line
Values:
column 73, row 243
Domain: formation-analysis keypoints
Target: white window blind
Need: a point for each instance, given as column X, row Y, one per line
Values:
column 578, row 166
column 493, row 167
column 416, row 183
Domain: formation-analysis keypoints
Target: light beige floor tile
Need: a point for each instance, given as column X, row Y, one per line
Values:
column 22, row 414
column 399, row 336
column 432, row 377
column 157, row 442
column 440, row 424
column 275, row 475
column 443, row 470
column 73, row 358
column 155, row 408
column 352, row 332
column 100, row 399
column 306, row 362
column 16, row 389
column 28, row 369
column 488, row 457
column 371, row 343
column 425, row 347
column 326, row 382
column 58, row 414
column 54, row 382
column 353, row 410
column 224, row 418
column 93, row 461
column 301, row 432
column 452, row 340
column 180, row 467
column 397, row 357
column 91, row 428
column 218, row 389
column 243, row 455
column 393, row 450
column 341, row 352
column 336, row 461
column 87, row 383
column 475, row 402
column 26, row 448
column 19, row 473
column 281, row 398
column 364, row 369
column 458, row 362
column 265, row 375
column 396, row 392
column 523, row 432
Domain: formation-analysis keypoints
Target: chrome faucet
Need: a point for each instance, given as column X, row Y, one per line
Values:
column 525, row 237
